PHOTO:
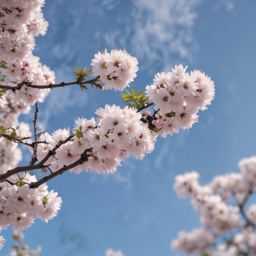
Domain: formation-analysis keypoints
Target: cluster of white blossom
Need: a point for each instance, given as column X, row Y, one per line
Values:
column 2, row 241
column 179, row 96
column 238, row 185
column 217, row 216
column 118, row 134
column 116, row 69
column 19, row 249
column 21, row 101
column 20, row 22
column 195, row 242
column 110, row 252
column 10, row 154
column 20, row 205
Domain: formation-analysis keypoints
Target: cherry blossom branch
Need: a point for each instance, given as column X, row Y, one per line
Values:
column 34, row 156
column 49, row 86
column 81, row 160
column 40, row 165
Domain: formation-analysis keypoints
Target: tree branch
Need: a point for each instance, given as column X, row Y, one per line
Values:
column 40, row 165
column 241, row 208
column 49, row 86
column 81, row 160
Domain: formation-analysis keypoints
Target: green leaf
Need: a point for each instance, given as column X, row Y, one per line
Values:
column 140, row 94
column 81, row 74
column 127, row 91
column 133, row 92
column 87, row 72
column 2, row 129
column 79, row 134
column 83, row 87
column 128, row 97
column 3, row 64
column 144, row 100
column 13, row 133
column 2, row 79
column 137, row 98
column 2, row 92
column 170, row 114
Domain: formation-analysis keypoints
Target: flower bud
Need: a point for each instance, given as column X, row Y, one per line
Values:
column 25, row 247
column 145, row 113
column 15, row 246
column 44, row 170
column 101, row 87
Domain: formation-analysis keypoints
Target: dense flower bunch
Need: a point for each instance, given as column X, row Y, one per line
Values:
column 19, row 249
column 20, row 205
column 219, row 217
column 118, row 134
column 195, row 242
column 116, row 69
column 179, row 96
column 12, row 104
column 10, row 154
column 20, row 22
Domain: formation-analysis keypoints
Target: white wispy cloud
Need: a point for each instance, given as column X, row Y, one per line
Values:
column 158, row 30
column 227, row 4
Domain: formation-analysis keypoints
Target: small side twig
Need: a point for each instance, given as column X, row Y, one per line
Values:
column 34, row 156
column 241, row 208
column 145, row 106
column 9, row 182
column 20, row 140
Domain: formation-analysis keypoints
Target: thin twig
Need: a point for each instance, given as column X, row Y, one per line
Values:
column 145, row 106
column 9, row 182
column 155, row 112
column 9, row 137
column 241, row 208
column 49, row 169
column 49, row 86
column 34, row 156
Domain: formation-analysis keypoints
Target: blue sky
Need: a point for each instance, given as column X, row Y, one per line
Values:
column 136, row 209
